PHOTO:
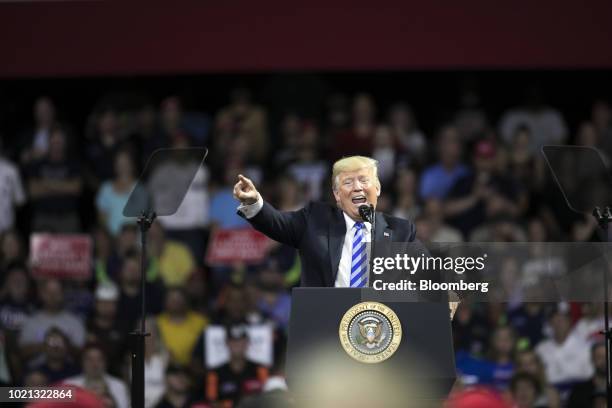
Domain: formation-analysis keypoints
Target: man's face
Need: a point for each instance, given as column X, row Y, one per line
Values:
column 356, row 188
column 51, row 295
column 130, row 271
column 106, row 308
column 177, row 382
column 598, row 357
column 561, row 324
column 93, row 362
column 176, row 303
column 55, row 346
column 238, row 347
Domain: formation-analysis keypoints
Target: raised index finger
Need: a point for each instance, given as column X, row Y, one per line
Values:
column 245, row 180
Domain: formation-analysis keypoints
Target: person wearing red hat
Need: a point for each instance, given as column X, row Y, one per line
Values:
column 476, row 398
column 81, row 398
column 484, row 194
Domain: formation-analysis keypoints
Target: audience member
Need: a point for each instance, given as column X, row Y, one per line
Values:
column 239, row 377
column 525, row 389
column 483, row 193
column 104, row 328
column 440, row 231
column 360, row 135
column 129, row 293
column 178, row 389
column 406, row 132
column 156, row 362
column 407, row 204
column 527, row 361
column 566, row 358
column 113, row 194
column 55, row 186
column 52, row 314
column 308, row 169
column 56, row 361
column 192, row 217
column 503, row 345
column 173, row 261
column 15, row 295
column 94, row 376
column 103, row 145
column 583, row 394
column 243, row 117
column 179, row 326
column 545, row 123
column 11, row 249
column 591, row 325
column 13, row 194
column 274, row 302
column 34, row 144
column 438, row 179
column 384, row 152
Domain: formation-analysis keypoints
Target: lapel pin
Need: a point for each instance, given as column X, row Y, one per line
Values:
column 386, row 234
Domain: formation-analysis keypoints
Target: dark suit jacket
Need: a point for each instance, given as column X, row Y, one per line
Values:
column 318, row 231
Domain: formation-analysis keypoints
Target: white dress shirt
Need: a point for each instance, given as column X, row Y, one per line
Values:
column 343, row 279
column 251, row 210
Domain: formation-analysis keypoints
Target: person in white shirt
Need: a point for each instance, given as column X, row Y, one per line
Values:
column 94, row 372
column 11, row 193
column 566, row 357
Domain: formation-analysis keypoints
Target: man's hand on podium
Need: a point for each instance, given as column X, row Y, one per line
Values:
column 453, row 308
column 453, row 303
column 245, row 191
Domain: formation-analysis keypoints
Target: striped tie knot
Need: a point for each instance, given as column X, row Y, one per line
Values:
column 359, row 225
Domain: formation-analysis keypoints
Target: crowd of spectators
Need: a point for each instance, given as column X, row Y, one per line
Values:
column 473, row 178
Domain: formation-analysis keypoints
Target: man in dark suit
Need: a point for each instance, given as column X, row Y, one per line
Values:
column 319, row 230
column 332, row 240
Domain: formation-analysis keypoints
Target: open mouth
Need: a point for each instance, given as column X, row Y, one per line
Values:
column 359, row 200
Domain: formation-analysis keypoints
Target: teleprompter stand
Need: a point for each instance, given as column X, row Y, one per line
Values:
column 586, row 185
column 159, row 192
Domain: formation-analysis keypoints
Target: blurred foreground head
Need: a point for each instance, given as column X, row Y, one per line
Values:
column 476, row 398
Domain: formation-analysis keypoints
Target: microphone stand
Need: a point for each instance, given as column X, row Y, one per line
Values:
column 603, row 219
column 368, row 214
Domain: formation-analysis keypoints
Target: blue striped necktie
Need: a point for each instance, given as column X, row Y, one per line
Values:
column 359, row 264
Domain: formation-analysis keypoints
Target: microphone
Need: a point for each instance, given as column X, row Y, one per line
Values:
column 366, row 212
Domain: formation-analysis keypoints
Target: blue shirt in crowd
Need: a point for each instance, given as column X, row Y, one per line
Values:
column 437, row 181
column 223, row 207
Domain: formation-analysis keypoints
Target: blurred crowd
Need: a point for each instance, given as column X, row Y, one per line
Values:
column 474, row 178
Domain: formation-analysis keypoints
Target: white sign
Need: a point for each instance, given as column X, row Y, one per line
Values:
column 260, row 348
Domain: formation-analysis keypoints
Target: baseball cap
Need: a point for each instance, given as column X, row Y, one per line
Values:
column 484, row 149
column 237, row 332
column 107, row 291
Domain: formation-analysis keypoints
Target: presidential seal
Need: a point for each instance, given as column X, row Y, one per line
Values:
column 370, row 332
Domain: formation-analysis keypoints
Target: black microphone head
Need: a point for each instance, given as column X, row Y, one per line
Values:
column 365, row 212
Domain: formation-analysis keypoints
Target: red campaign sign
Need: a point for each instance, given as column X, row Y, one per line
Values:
column 61, row 256
column 236, row 245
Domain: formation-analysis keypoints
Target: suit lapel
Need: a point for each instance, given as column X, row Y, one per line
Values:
column 383, row 232
column 337, row 231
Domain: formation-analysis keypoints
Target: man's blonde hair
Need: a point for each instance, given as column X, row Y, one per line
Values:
column 354, row 163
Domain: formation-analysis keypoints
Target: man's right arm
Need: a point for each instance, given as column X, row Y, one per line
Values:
column 286, row 227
